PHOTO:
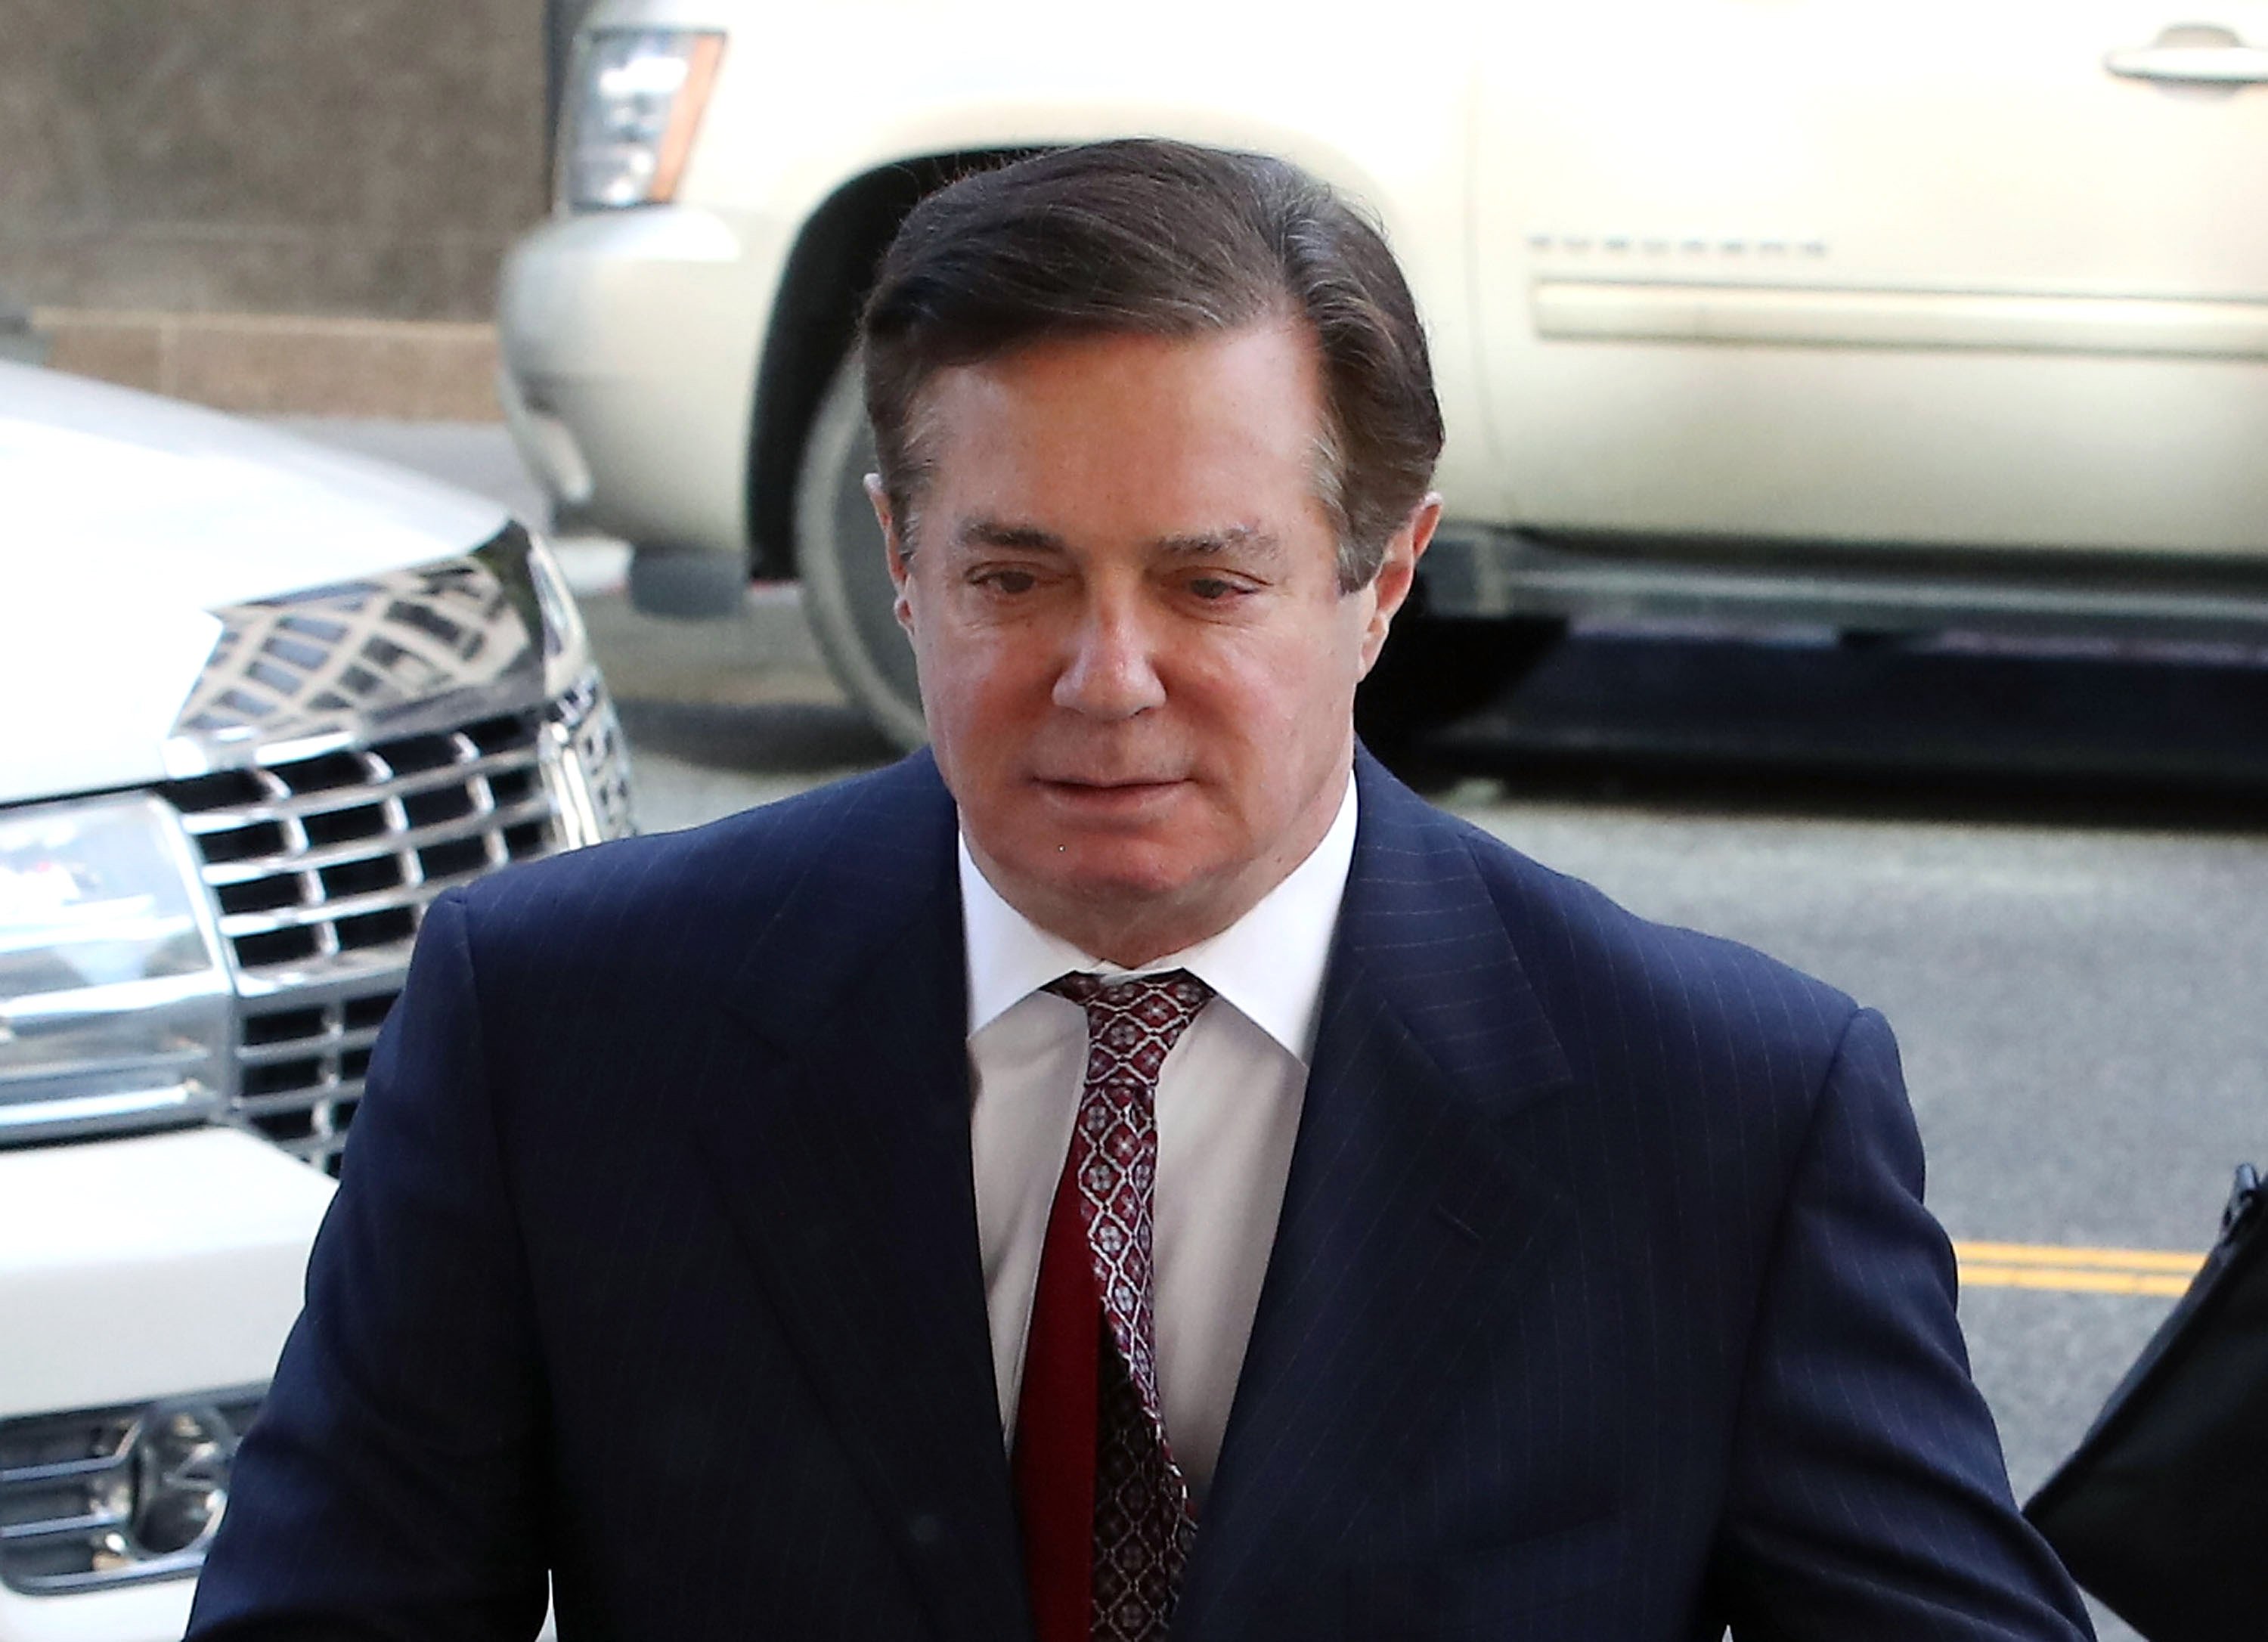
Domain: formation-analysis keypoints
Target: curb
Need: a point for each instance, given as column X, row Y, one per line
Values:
column 285, row 364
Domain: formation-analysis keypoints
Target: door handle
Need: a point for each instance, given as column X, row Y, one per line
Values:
column 2193, row 62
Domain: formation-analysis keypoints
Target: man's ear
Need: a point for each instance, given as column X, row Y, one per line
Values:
column 1397, row 573
column 893, row 550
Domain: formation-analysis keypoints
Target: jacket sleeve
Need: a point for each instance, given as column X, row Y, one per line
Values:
column 391, row 1487
column 1869, row 1499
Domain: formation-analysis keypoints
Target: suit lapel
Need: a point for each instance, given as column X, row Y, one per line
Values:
column 1406, row 1216
column 849, row 1181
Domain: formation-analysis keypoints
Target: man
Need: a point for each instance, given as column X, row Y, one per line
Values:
column 1140, row 1166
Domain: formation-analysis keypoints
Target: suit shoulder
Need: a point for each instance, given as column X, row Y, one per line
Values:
column 1588, row 954
column 736, row 873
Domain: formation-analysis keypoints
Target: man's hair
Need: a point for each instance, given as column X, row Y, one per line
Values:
column 1152, row 238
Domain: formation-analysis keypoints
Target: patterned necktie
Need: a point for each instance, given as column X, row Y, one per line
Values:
column 1091, row 1435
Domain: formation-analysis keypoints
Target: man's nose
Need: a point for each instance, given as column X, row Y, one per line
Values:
column 1110, row 670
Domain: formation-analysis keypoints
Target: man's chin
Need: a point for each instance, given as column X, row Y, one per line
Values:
column 1118, row 870
column 1129, row 877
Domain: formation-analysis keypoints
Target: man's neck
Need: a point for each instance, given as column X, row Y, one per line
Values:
column 1269, row 962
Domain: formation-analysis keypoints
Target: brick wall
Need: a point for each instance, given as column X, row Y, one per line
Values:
column 272, row 204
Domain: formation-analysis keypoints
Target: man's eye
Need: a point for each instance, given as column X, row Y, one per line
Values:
column 1214, row 588
column 1009, row 581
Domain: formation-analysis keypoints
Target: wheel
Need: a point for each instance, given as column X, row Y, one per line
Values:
column 1436, row 669
column 839, row 557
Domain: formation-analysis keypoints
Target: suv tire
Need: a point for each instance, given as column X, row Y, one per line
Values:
column 847, row 594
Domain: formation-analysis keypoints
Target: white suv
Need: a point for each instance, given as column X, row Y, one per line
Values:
column 259, row 704
column 1876, row 316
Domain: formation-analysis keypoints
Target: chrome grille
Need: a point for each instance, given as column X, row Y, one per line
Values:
column 602, row 756
column 84, row 1497
column 322, row 861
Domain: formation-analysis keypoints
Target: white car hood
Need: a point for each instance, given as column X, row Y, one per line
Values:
column 124, row 520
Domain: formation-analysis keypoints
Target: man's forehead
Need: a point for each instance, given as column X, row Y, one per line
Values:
column 1201, row 446
column 1269, row 372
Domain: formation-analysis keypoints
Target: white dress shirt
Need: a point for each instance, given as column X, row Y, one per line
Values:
column 1228, row 1110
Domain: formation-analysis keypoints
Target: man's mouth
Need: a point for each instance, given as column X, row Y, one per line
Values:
column 1109, row 795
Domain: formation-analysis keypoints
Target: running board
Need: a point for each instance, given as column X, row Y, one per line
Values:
column 1492, row 574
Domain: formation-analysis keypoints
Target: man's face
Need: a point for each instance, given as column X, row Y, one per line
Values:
column 1136, row 664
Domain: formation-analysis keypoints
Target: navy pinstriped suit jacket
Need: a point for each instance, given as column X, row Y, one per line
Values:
column 1603, row 1304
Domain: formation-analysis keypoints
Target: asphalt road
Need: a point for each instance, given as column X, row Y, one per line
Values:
column 2050, row 870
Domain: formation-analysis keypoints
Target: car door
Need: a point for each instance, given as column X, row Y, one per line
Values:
column 1987, row 273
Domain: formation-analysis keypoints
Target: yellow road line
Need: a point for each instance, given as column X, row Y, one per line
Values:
column 2076, row 1271
column 2056, row 1255
column 2075, row 1281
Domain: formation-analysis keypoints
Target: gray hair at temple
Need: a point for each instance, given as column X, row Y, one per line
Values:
column 1148, row 237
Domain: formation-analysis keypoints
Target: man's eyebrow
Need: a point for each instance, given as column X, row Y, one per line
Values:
column 1242, row 540
column 993, row 533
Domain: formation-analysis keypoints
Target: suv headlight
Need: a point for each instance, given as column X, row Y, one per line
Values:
column 114, row 1005
column 635, row 101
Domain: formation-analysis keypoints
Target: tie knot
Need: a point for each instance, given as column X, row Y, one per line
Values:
column 1162, row 1002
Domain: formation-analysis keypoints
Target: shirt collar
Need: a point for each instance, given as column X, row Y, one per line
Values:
column 1268, row 964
